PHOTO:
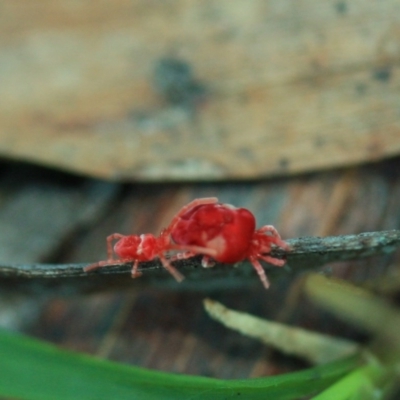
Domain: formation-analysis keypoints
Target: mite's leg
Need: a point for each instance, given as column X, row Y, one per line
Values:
column 270, row 229
column 275, row 236
column 181, row 256
column 106, row 263
column 274, row 261
column 110, row 259
column 172, row 270
column 110, row 238
column 260, row 271
column 135, row 273
column 193, row 249
column 94, row 266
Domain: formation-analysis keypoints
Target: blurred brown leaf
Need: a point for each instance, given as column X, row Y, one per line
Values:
column 197, row 90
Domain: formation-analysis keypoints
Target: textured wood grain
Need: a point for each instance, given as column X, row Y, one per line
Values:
column 196, row 90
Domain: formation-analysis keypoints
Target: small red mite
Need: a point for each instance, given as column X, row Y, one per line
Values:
column 229, row 231
column 146, row 247
column 219, row 231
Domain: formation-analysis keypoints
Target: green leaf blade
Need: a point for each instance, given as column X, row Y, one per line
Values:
column 31, row 369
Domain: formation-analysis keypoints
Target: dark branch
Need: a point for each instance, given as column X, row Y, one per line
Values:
column 305, row 253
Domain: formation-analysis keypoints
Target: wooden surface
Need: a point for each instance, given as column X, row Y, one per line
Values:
column 194, row 90
column 167, row 329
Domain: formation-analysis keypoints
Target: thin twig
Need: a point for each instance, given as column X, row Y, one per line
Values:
column 306, row 253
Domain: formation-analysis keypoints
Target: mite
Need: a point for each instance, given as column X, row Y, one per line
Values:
column 146, row 247
column 229, row 231
column 220, row 232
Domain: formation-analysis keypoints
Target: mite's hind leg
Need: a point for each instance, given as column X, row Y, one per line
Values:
column 172, row 270
column 275, row 236
column 274, row 261
column 260, row 271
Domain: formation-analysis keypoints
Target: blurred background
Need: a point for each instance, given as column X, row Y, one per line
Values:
column 113, row 115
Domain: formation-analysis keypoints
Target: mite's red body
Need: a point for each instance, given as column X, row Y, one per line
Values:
column 225, row 229
column 230, row 232
column 204, row 226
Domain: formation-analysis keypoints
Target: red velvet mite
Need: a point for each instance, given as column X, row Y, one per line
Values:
column 229, row 231
column 218, row 231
